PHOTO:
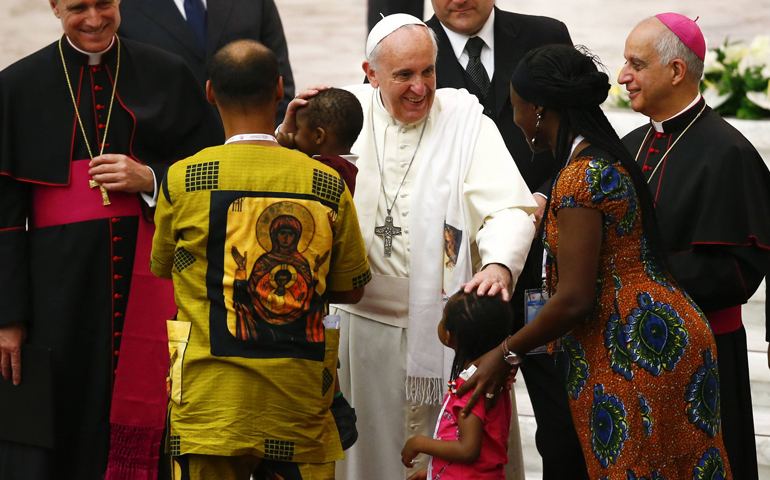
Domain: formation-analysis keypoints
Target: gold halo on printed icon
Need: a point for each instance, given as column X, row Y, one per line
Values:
column 283, row 267
column 285, row 208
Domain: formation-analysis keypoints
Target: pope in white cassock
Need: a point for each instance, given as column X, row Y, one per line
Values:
column 438, row 197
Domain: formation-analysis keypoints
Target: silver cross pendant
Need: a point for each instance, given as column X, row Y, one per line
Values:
column 387, row 231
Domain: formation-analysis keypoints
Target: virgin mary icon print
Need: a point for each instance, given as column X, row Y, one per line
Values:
column 280, row 286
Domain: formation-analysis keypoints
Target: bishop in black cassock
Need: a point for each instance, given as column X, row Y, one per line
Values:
column 712, row 196
column 75, row 278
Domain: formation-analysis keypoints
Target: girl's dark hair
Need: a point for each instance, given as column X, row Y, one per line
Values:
column 478, row 324
column 567, row 80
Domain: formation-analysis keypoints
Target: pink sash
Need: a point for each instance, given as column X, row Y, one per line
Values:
column 726, row 320
column 139, row 397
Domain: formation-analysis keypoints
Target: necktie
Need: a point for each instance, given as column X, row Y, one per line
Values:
column 475, row 69
column 196, row 18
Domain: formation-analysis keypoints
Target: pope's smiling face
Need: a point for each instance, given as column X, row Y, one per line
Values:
column 89, row 24
column 406, row 73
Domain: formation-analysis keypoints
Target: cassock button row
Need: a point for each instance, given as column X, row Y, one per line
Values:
column 402, row 146
column 97, row 88
column 99, row 107
column 659, row 135
column 117, row 277
column 487, row 111
column 115, row 220
column 117, row 295
column 117, row 334
column 404, row 195
column 101, row 125
column 115, row 259
column 406, row 230
column 403, row 130
column 413, row 426
column 403, row 164
column 117, row 353
column 117, row 239
column 118, row 314
column 405, row 213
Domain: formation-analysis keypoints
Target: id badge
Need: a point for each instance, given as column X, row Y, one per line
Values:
column 534, row 301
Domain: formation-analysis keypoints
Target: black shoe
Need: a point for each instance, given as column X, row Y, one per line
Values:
column 345, row 418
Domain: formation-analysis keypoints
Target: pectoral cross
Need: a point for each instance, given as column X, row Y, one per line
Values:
column 105, row 197
column 387, row 231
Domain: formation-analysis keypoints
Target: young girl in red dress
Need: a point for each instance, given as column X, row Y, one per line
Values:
column 472, row 447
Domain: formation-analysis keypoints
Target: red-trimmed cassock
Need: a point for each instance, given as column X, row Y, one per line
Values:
column 78, row 278
column 712, row 197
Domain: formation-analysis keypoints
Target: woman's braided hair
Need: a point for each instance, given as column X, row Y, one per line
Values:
column 567, row 80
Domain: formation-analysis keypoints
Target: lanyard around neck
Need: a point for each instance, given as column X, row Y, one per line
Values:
column 251, row 137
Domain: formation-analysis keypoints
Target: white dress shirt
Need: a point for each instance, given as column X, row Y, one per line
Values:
column 487, row 33
column 180, row 6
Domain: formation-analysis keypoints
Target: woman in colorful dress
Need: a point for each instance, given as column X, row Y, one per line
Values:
column 642, row 375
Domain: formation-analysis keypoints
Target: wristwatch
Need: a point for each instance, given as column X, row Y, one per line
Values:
column 511, row 358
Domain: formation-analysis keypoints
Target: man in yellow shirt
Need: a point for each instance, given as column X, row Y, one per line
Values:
column 258, row 240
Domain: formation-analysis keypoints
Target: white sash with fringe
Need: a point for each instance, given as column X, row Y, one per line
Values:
column 437, row 199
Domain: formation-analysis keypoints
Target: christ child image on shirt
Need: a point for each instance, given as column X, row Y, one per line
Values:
column 281, row 286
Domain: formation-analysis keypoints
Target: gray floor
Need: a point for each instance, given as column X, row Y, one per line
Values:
column 326, row 41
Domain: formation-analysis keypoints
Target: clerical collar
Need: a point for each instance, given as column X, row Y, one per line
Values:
column 352, row 158
column 93, row 58
column 384, row 111
column 681, row 119
column 487, row 33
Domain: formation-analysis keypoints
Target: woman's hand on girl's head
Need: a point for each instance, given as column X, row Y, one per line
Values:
column 419, row 475
column 491, row 376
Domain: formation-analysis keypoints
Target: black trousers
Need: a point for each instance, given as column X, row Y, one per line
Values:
column 555, row 438
column 737, row 412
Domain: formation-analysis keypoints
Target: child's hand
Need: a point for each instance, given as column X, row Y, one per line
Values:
column 419, row 475
column 286, row 140
column 411, row 450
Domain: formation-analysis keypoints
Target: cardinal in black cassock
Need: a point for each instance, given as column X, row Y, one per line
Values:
column 78, row 278
column 712, row 197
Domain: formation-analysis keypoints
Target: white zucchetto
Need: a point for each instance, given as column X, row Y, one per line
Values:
column 388, row 25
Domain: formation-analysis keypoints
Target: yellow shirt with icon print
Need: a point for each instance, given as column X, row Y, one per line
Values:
column 254, row 237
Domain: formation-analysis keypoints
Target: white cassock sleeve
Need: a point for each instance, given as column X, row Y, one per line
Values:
column 498, row 204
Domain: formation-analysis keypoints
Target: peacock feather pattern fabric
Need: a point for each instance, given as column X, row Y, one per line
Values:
column 642, row 373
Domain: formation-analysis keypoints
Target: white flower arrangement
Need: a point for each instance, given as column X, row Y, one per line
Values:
column 735, row 79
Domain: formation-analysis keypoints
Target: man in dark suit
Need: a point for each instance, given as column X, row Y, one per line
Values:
column 196, row 29
column 479, row 48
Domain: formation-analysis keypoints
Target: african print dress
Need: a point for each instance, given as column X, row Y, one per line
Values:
column 642, row 375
